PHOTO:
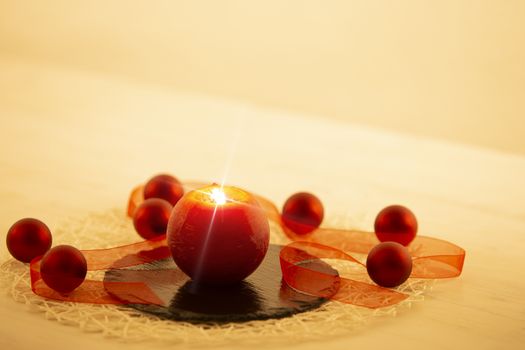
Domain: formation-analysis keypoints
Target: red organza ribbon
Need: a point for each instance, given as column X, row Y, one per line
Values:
column 432, row 258
column 98, row 292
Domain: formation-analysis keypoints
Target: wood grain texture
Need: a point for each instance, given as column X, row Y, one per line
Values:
column 73, row 142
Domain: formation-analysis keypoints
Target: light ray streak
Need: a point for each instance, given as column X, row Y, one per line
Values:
column 233, row 148
column 200, row 262
column 229, row 160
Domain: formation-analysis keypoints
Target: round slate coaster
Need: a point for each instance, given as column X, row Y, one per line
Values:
column 263, row 295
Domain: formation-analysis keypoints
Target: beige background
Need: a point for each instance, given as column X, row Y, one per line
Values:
column 96, row 96
column 448, row 69
column 74, row 143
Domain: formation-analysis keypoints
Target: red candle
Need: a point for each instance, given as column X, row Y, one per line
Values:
column 218, row 235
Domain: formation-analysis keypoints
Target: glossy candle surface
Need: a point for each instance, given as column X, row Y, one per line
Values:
column 218, row 235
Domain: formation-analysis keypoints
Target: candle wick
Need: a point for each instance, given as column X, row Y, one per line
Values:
column 218, row 196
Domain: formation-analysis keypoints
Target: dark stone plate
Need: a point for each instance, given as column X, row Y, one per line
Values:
column 263, row 295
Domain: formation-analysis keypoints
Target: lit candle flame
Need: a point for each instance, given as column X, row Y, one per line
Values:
column 218, row 196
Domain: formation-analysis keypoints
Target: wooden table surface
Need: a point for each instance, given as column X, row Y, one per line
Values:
column 73, row 142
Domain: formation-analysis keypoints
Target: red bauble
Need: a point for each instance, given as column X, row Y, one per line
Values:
column 164, row 186
column 397, row 224
column 218, row 235
column 151, row 217
column 27, row 239
column 302, row 213
column 63, row 268
column 389, row 264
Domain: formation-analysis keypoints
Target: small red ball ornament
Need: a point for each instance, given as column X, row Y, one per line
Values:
column 389, row 264
column 164, row 186
column 302, row 213
column 27, row 239
column 396, row 223
column 218, row 235
column 151, row 217
column 63, row 268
